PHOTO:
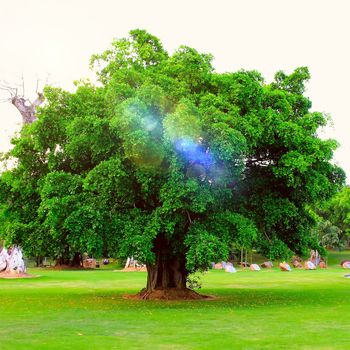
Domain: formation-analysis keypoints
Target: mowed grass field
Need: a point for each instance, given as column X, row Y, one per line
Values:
column 269, row 309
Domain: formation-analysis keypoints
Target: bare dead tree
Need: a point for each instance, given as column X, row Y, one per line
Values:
column 23, row 105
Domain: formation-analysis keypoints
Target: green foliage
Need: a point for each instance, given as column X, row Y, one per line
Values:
column 334, row 220
column 274, row 249
column 329, row 235
column 204, row 247
column 185, row 123
column 166, row 147
column 338, row 209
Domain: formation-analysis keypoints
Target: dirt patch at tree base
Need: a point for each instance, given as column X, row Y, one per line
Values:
column 169, row 294
column 8, row 275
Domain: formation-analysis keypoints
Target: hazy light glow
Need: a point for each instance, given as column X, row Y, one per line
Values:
column 202, row 163
column 149, row 123
column 193, row 152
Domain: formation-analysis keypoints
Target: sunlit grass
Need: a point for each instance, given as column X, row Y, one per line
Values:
column 269, row 309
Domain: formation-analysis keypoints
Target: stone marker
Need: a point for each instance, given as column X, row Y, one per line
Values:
column 267, row 265
column 322, row 265
column 230, row 268
column 345, row 264
column 89, row 263
column 254, row 267
column 309, row 265
column 218, row 266
column 3, row 258
column 284, row 266
column 14, row 260
column 297, row 264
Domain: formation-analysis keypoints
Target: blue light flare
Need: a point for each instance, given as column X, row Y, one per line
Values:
column 194, row 152
column 202, row 163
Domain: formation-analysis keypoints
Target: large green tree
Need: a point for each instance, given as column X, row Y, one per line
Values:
column 170, row 162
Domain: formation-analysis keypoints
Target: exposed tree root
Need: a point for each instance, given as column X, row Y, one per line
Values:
column 168, row 294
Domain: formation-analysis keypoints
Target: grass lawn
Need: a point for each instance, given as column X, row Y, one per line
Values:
column 269, row 309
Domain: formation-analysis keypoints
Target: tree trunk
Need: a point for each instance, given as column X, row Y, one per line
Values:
column 39, row 261
column 62, row 261
column 26, row 109
column 77, row 260
column 167, row 277
column 66, row 261
column 168, row 271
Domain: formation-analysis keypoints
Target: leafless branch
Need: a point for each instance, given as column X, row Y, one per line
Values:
column 8, row 89
column 39, row 100
column 23, row 105
column 189, row 217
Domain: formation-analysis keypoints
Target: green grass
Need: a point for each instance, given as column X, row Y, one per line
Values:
column 253, row 310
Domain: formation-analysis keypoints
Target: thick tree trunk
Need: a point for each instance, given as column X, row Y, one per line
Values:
column 39, row 261
column 65, row 261
column 169, row 271
column 167, row 277
column 62, row 261
column 77, row 260
column 166, row 273
column 26, row 108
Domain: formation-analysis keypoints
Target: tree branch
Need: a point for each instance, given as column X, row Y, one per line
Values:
column 189, row 216
column 23, row 105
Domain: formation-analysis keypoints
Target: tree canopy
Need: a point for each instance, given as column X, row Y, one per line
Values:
column 170, row 162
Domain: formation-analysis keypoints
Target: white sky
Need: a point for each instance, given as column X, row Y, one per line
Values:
column 55, row 39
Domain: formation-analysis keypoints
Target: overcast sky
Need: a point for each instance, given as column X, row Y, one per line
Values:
column 54, row 39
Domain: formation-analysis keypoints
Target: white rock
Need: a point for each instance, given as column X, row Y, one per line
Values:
column 230, row 268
